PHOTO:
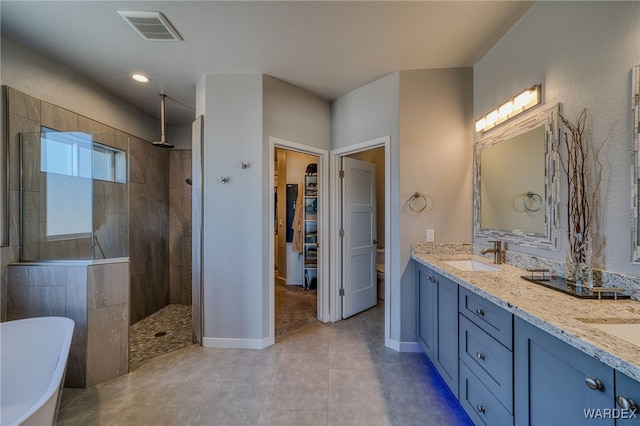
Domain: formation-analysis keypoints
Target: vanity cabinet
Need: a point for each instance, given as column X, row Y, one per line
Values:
column 558, row 384
column 438, row 323
column 427, row 308
column 486, row 360
column 627, row 400
column 506, row 371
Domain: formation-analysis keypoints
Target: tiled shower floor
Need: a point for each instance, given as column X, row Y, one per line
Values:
column 164, row 331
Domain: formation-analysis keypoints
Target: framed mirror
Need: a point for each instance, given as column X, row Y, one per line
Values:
column 516, row 181
column 635, row 170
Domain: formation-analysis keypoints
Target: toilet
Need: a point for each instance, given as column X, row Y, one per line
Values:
column 380, row 272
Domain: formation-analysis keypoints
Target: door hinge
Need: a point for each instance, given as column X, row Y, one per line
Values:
column 341, row 174
column 342, row 292
column 341, row 233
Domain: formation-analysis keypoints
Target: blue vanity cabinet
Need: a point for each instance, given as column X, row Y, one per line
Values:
column 438, row 323
column 427, row 308
column 627, row 400
column 446, row 357
column 486, row 360
column 557, row 384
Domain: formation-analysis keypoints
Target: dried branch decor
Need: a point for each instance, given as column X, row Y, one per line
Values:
column 582, row 190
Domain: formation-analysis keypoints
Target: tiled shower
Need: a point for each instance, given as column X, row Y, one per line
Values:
column 114, row 293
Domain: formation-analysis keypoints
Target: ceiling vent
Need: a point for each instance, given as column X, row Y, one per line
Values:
column 152, row 26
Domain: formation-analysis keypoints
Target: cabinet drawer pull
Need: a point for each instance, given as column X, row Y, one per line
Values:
column 627, row 403
column 480, row 355
column 480, row 408
column 594, row 384
column 480, row 311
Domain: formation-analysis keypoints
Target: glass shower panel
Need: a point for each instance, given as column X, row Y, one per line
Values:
column 69, row 213
column 110, row 197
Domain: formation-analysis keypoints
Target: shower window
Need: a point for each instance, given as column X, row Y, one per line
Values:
column 71, row 160
column 66, row 162
column 108, row 164
column 75, row 154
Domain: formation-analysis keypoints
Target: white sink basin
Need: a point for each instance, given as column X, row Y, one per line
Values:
column 628, row 331
column 471, row 265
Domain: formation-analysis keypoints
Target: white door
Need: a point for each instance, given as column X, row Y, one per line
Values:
column 359, row 280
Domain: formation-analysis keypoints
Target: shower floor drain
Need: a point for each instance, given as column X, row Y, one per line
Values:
column 160, row 334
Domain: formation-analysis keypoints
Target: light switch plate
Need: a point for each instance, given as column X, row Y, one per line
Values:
column 431, row 235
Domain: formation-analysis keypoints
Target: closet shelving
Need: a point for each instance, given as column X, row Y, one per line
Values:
column 310, row 231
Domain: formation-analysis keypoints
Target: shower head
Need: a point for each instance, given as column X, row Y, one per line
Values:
column 162, row 143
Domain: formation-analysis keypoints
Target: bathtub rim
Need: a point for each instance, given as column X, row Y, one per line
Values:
column 56, row 383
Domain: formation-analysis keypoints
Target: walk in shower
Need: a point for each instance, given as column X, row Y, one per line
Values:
column 74, row 196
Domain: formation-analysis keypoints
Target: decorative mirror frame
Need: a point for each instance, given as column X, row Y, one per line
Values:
column 635, row 167
column 548, row 117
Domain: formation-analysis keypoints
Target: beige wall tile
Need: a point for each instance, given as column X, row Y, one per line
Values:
column 58, row 118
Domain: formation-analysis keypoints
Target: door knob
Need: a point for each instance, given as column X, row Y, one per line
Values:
column 375, row 242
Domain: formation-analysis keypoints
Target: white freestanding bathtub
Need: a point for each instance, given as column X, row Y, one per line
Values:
column 34, row 355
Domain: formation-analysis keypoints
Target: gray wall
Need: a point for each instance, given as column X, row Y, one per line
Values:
column 582, row 53
column 233, row 236
column 240, row 113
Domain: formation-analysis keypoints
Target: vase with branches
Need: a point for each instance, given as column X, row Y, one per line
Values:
column 583, row 170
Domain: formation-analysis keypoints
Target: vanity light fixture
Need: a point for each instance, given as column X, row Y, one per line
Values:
column 140, row 78
column 523, row 101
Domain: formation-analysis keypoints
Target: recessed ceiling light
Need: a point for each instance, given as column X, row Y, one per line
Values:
column 140, row 78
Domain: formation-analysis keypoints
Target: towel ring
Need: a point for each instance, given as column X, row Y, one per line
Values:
column 417, row 202
column 530, row 201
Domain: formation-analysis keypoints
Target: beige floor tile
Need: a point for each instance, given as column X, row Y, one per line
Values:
column 321, row 374
column 298, row 389
column 292, row 418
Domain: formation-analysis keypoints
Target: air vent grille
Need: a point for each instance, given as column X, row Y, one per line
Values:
column 152, row 26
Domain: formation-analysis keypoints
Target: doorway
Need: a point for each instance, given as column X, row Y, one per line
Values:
column 363, row 219
column 297, row 231
column 296, row 239
column 375, row 151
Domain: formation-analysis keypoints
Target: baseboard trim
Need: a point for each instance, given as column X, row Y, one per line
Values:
column 213, row 342
column 404, row 346
column 410, row 347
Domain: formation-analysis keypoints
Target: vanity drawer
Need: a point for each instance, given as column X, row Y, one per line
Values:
column 489, row 360
column 479, row 403
column 497, row 322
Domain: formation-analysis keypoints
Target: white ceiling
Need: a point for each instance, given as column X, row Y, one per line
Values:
column 328, row 48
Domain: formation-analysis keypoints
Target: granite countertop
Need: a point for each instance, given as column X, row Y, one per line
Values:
column 565, row 317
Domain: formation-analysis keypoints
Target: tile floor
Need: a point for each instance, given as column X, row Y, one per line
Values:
column 320, row 374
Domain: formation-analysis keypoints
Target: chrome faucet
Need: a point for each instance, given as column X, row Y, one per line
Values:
column 496, row 250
